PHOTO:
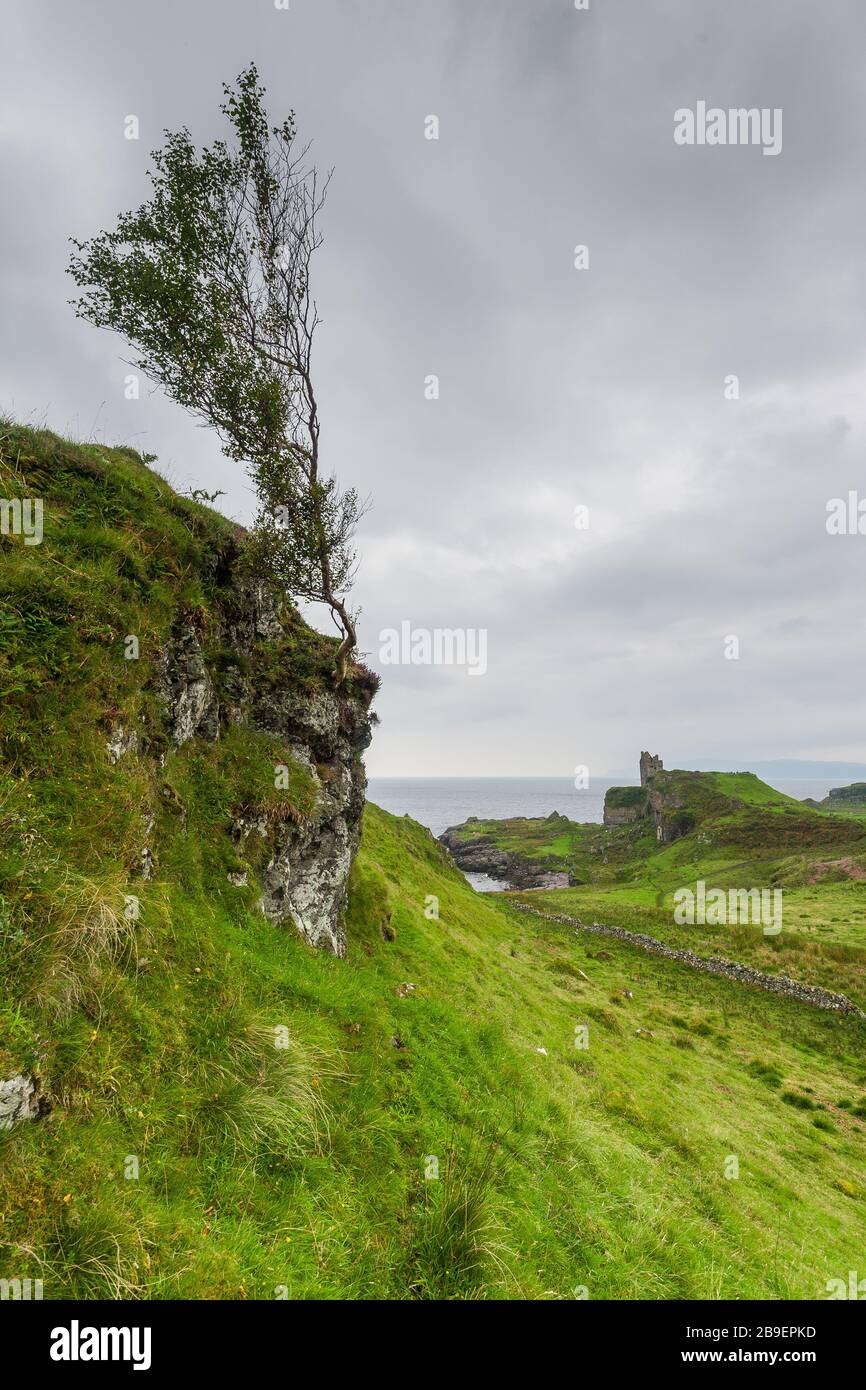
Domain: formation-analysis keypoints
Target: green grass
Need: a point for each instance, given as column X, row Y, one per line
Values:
column 602, row 1167
column 746, row 787
column 800, row 955
column 237, row 1116
column 743, row 834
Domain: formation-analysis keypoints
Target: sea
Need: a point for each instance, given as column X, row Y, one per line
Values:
column 440, row 802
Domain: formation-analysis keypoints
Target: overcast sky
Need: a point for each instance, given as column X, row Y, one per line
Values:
column 602, row 387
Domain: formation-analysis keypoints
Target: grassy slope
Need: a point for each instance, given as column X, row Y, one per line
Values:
column 609, row 1162
column 301, row 1166
column 747, row 835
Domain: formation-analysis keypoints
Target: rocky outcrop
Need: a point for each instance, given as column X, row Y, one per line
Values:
column 623, row 805
column 185, row 687
column 842, row 796
column 655, row 799
column 120, row 742
column 305, row 880
column 671, row 818
column 478, row 856
column 21, row 1099
column 711, row 965
column 852, row 797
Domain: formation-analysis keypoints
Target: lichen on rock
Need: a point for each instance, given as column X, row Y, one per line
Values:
column 254, row 680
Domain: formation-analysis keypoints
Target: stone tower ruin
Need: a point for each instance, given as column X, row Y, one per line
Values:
column 650, row 764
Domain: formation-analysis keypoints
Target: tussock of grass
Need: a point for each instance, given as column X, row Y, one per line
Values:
column 84, row 927
column 95, row 1251
column 456, row 1244
column 88, row 920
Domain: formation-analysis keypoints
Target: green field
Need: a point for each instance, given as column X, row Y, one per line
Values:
column 745, row 835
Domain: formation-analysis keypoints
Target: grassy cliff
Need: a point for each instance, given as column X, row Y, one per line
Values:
column 237, row 1115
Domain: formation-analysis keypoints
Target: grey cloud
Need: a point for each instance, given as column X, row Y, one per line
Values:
column 558, row 386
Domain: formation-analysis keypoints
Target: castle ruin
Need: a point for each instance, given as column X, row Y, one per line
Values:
column 624, row 805
column 650, row 764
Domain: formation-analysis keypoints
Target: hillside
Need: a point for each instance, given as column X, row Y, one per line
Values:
column 224, row 1111
column 733, row 831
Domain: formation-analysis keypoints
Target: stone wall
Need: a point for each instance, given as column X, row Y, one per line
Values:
column 622, row 815
column 712, row 965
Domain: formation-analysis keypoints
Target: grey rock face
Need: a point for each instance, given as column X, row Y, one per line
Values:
column 20, row 1099
column 120, row 742
column 256, row 615
column 305, row 880
column 186, row 689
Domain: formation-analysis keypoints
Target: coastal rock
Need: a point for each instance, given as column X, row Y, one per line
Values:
column 478, row 856
column 850, row 798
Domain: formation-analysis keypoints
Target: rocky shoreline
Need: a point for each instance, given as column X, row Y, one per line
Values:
column 478, row 856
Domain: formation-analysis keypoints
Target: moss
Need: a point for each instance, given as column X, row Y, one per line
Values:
column 618, row 798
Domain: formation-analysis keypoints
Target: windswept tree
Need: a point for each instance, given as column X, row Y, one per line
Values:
column 209, row 282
